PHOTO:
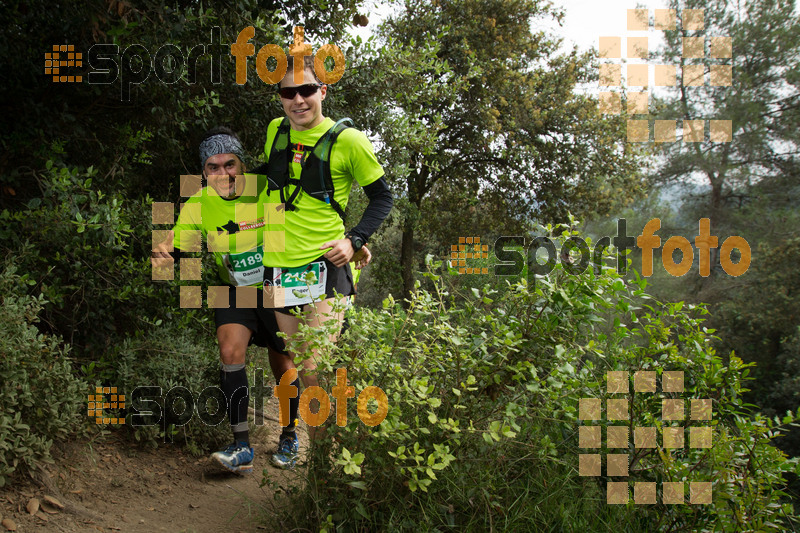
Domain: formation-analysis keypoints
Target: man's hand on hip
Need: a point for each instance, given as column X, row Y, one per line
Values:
column 340, row 253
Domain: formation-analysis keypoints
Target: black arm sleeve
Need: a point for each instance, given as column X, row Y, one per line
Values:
column 380, row 204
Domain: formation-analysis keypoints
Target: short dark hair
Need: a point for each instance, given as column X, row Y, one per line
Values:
column 308, row 64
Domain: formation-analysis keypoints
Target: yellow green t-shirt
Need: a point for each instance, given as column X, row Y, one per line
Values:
column 231, row 228
column 314, row 222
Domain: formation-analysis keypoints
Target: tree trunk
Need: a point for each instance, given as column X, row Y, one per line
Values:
column 716, row 205
column 414, row 187
column 407, row 259
column 716, row 196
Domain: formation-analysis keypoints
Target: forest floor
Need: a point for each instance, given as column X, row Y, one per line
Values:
column 114, row 485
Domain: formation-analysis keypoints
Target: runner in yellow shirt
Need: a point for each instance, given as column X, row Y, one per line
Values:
column 311, row 166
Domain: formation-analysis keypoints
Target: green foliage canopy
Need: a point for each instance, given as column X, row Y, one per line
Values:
column 475, row 109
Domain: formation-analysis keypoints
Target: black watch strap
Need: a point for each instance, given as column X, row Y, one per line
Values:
column 357, row 241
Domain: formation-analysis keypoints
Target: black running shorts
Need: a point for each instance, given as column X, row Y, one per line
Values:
column 260, row 320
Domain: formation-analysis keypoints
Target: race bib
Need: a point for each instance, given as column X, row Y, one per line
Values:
column 292, row 286
column 245, row 268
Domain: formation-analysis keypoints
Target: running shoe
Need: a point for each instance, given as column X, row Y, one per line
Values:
column 237, row 457
column 286, row 456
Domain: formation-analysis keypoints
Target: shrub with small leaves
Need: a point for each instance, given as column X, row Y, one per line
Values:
column 170, row 356
column 41, row 399
column 482, row 425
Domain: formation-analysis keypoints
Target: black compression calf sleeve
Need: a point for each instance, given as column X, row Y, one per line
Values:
column 233, row 381
column 294, row 405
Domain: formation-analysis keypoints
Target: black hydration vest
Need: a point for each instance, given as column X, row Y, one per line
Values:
column 315, row 178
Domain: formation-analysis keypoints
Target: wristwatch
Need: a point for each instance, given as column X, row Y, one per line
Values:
column 357, row 241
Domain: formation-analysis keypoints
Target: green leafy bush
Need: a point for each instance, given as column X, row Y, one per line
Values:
column 176, row 354
column 482, row 430
column 97, row 282
column 96, row 273
column 41, row 400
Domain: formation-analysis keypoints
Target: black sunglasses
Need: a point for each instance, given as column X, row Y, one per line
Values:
column 305, row 90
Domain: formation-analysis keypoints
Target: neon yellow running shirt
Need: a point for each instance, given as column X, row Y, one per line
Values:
column 231, row 228
column 314, row 222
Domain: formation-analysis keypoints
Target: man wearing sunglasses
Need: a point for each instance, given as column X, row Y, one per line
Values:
column 311, row 166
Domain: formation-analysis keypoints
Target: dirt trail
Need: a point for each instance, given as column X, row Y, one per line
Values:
column 115, row 486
